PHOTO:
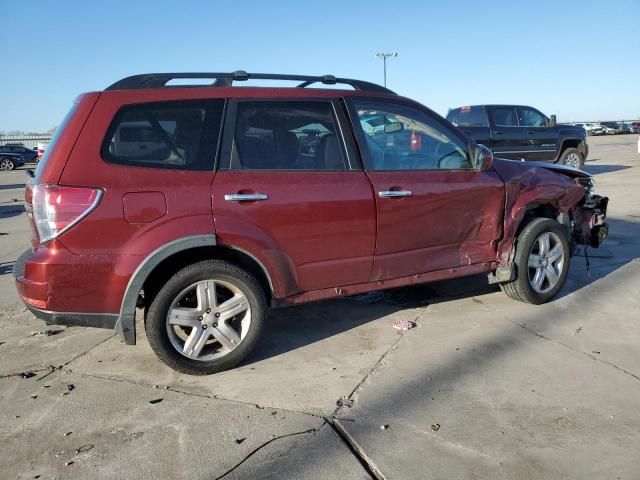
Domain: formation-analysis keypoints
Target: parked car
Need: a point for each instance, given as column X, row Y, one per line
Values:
column 522, row 133
column 615, row 127
column 10, row 161
column 590, row 128
column 197, row 205
column 607, row 130
column 626, row 128
column 27, row 154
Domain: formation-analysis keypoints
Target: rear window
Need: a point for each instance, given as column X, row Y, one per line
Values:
column 172, row 135
column 468, row 117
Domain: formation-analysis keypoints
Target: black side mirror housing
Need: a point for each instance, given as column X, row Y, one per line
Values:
column 553, row 121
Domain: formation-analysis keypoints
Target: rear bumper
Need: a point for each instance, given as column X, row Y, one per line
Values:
column 76, row 319
column 62, row 288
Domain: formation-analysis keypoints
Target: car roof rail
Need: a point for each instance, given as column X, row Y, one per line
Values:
column 160, row 80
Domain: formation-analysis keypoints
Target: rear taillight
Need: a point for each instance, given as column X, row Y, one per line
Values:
column 56, row 209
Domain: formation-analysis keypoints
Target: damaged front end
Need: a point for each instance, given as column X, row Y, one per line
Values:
column 589, row 226
column 535, row 189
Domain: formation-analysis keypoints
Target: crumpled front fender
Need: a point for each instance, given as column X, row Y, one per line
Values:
column 528, row 186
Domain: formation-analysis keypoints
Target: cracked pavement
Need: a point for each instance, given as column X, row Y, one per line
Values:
column 483, row 387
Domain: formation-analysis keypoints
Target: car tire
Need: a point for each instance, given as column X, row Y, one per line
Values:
column 539, row 274
column 196, row 296
column 7, row 164
column 572, row 158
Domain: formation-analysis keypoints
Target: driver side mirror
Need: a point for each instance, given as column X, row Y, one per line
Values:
column 483, row 158
column 552, row 121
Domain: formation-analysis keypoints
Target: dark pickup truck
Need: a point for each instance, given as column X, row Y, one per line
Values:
column 522, row 133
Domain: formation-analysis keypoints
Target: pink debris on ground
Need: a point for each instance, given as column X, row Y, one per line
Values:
column 403, row 325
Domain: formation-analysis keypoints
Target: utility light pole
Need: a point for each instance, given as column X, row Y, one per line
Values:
column 384, row 57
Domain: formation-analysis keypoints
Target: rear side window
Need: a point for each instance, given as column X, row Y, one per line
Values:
column 286, row 135
column 468, row 117
column 52, row 144
column 505, row 116
column 172, row 135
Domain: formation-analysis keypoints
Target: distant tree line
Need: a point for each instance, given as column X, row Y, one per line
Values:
column 51, row 131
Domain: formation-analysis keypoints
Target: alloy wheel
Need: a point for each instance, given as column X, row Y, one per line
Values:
column 545, row 262
column 6, row 164
column 572, row 160
column 208, row 320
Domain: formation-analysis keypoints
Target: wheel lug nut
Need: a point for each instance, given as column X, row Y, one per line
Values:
column 217, row 315
column 204, row 327
column 208, row 310
column 215, row 324
column 200, row 318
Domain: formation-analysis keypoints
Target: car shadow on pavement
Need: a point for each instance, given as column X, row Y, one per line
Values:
column 5, row 268
column 8, row 211
column 598, row 169
column 294, row 327
column 590, row 264
column 13, row 186
column 474, row 365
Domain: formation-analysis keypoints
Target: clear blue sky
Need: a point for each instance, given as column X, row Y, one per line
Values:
column 579, row 59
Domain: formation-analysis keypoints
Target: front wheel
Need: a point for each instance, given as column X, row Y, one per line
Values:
column 572, row 158
column 207, row 318
column 7, row 164
column 541, row 262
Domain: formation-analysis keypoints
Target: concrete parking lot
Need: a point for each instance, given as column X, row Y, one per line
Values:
column 483, row 388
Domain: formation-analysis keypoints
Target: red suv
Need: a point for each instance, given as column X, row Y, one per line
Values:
column 204, row 205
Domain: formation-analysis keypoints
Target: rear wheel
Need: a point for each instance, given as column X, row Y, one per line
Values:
column 572, row 158
column 7, row 164
column 207, row 318
column 541, row 262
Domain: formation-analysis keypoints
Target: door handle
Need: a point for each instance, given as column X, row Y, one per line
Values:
column 395, row 193
column 498, row 133
column 531, row 133
column 245, row 197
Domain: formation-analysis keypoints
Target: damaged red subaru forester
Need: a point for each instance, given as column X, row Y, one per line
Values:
column 202, row 206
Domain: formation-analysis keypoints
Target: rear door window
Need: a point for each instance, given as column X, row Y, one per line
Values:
column 505, row 116
column 173, row 135
column 468, row 117
column 287, row 135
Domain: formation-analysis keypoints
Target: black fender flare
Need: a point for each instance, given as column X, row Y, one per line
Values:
column 580, row 147
column 126, row 323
